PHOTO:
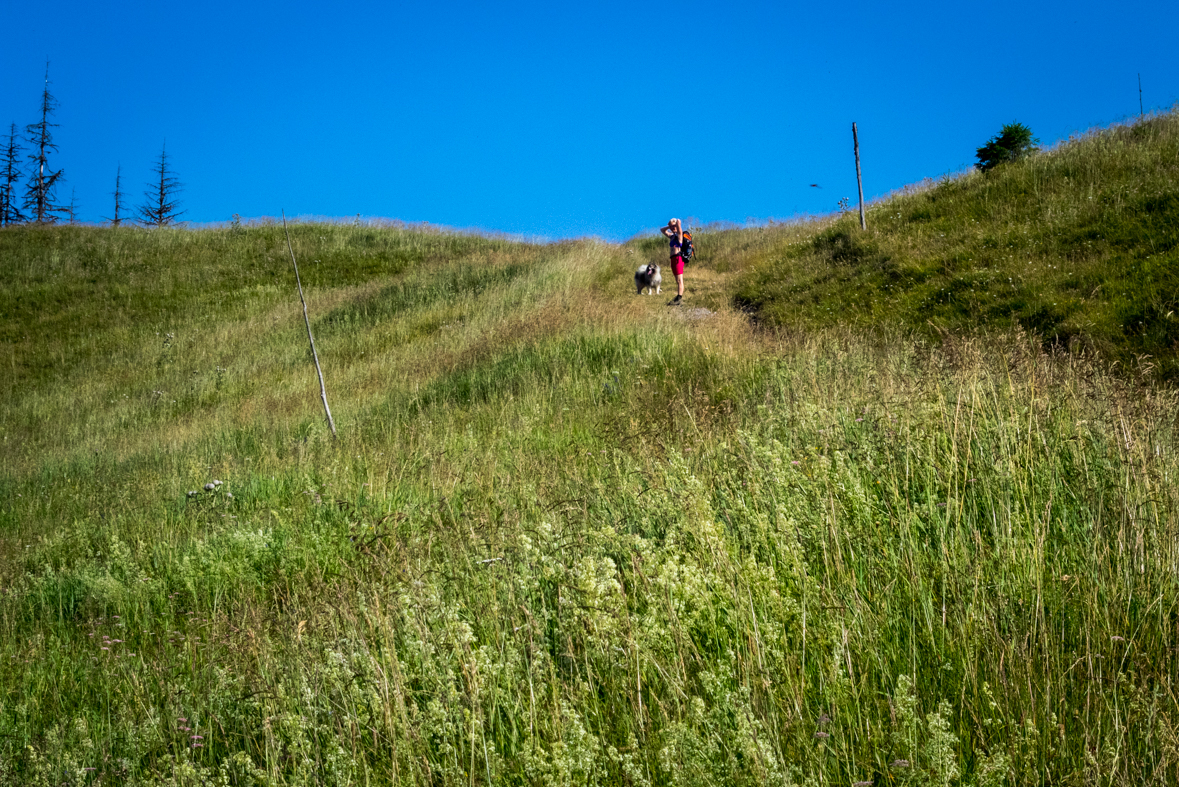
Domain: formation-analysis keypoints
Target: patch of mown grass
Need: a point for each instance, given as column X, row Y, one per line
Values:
column 67, row 288
column 1077, row 244
column 426, row 287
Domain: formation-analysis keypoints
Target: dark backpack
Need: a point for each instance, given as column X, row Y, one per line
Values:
column 688, row 251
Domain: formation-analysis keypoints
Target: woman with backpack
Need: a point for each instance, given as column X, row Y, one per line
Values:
column 675, row 232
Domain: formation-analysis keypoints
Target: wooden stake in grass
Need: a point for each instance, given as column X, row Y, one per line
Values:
column 859, row 180
column 310, row 338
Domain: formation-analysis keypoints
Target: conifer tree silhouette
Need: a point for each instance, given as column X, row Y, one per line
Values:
column 116, row 220
column 9, row 174
column 161, row 207
column 71, row 210
column 39, row 196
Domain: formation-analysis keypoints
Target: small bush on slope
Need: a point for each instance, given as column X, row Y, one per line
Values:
column 1012, row 143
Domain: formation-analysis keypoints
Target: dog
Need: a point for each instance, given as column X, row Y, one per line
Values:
column 647, row 277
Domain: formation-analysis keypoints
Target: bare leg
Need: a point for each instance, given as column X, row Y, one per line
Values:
column 679, row 283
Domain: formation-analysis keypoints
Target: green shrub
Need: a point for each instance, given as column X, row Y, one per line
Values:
column 1013, row 142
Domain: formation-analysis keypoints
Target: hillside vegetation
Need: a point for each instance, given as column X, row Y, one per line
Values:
column 569, row 536
column 1079, row 244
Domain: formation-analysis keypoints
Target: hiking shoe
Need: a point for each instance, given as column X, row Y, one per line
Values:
column 677, row 300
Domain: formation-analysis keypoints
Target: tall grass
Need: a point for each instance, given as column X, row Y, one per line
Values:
column 846, row 564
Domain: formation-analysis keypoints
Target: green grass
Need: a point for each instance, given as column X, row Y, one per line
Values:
column 567, row 535
column 1079, row 244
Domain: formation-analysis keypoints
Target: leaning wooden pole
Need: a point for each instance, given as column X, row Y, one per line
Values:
column 322, row 388
column 859, row 178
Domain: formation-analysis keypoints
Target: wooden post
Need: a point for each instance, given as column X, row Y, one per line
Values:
column 307, row 320
column 859, row 179
column 1140, row 112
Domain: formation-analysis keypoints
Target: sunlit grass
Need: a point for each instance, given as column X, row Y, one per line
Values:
column 1078, row 244
column 567, row 535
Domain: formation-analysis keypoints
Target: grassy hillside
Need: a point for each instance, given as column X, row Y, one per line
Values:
column 567, row 535
column 1079, row 244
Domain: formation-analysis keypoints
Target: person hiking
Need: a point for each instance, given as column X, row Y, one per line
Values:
column 675, row 232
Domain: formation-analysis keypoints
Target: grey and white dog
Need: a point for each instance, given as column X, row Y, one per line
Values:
column 647, row 277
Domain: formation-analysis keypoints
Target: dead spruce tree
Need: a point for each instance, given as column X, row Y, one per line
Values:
column 161, row 207
column 71, row 210
column 39, row 196
column 116, row 220
column 9, row 174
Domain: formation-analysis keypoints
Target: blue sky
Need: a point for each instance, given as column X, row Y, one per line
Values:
column 562, row 120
